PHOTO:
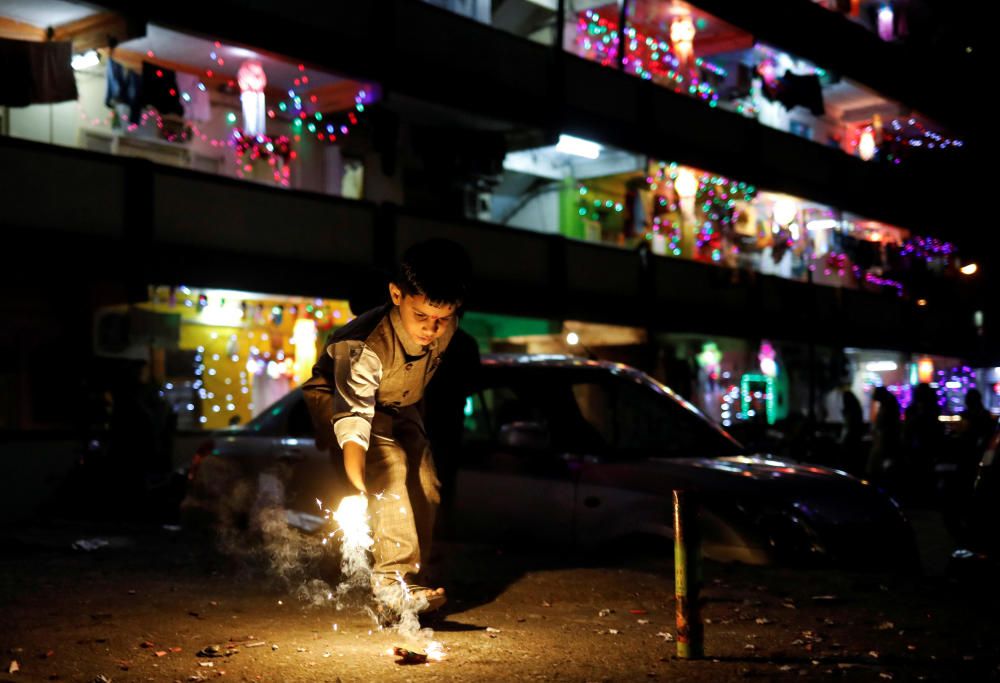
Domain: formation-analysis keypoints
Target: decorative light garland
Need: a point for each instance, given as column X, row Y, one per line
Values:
column 648, row 57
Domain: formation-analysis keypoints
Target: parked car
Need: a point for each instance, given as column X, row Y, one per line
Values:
column 568, row 451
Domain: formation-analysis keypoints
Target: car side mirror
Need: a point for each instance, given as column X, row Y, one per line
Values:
column 527, row 435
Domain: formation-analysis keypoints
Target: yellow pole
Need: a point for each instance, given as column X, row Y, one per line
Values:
column 687, row 576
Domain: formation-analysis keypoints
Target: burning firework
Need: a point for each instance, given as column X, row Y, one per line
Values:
column 351, row 520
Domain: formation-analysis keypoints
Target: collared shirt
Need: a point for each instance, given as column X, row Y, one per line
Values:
column 371, row 369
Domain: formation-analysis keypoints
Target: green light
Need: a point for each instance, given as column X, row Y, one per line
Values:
column 583, row 212
column 360, row 107
column 583, row 190
column 298, row 122
column 283, row 107
column 468, row 406
column 231, row 117
column 311, row 127
column 769, row 396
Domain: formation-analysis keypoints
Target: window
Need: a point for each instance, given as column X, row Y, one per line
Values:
column 655, row 424
column 299, row 421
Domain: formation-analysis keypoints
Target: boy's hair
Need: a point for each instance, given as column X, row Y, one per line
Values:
column 438, row 269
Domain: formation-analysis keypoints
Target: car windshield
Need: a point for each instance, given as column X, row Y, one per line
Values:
column 593, row 411
column 274, row 418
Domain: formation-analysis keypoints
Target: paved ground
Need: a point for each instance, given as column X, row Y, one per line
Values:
column 142, row 607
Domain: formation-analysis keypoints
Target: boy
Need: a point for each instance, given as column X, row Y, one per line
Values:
column 364, row 396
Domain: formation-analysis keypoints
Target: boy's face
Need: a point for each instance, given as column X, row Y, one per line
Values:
column 422, row 320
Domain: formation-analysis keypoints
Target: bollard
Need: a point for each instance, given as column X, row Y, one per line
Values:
column 687, row 576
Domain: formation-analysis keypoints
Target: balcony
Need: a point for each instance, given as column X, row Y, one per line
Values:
column 90, row 218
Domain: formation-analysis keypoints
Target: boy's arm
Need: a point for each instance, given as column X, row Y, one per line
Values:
column 341, row 399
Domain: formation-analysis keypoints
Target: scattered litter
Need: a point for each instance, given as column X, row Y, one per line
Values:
column 14, row 667
column 605, row 612
column 300, row 649
column 259, row 643
column 211, row 651
column 207, row 665
column 490, row 629
column 176, row 649
column 274, row 646
column 637, row 611
column 763, row 620
column 147, row 644
column 197, row 677
column 546, row 603
column 825, row 598
column 790, row 604
column 911, row 648
column 101, row 678
column 829, row 622
column 642, row 621
column 613, row 631
column 886, row 675
column 326, row 654
column 873, row 654
column 886, row 626
column 749, row 646
column 409, row 656
column 668, row 637
column 785, row 667
column 160, row 653
column 89, row 544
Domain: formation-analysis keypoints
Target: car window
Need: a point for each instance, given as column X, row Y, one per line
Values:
column 540, row 398
column 648, row 422
column 300, row 423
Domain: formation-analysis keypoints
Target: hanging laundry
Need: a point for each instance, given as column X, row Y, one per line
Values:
column 15, row 73
column 52, row 74
column 195, row 100
column 124, row 88
column 36, row 73
column 792, row 90
column 160, row 90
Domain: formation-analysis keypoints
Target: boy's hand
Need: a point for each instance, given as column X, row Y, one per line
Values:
column 354, row 464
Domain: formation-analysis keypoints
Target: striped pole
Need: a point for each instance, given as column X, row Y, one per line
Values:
column 687, row 576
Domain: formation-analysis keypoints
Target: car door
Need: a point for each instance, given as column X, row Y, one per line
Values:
column 311, row 475
column 517, row 480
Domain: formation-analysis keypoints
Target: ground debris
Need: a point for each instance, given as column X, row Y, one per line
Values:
column 668, row 637
column 259, row 643
column 762, row 621
column 101, row 678
column 605, row 612
column 886, row 626
column 490, row 629
column 613, row 631
column 14, row 667
column 89, row 544
column 642, row 621
column 409, row 656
